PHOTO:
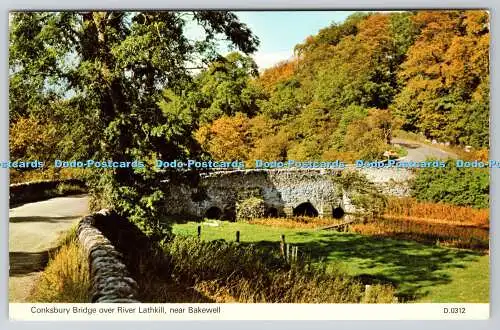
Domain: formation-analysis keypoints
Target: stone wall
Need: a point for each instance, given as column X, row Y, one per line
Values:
column 282, row 190
column 392, row 181
column 28, row 192
column 111, row 281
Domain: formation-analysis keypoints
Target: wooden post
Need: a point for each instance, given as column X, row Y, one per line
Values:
column 282, row 245
column 199, row 231
column 237, row 236
column 288, row 252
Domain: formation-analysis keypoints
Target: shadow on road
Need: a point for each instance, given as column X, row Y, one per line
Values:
column 39, row 219
column 22, row 263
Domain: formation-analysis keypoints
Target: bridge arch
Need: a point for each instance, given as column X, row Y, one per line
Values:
column 305, row 209
column 338, row 212
column 213, row 213
column 272, row 212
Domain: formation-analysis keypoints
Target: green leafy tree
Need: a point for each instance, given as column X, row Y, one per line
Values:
column 116, row 65
column 226, row 88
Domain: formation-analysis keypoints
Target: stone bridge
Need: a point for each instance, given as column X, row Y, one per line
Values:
column 286, row 192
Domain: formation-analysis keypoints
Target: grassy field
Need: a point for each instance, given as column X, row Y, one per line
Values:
column 421, row 273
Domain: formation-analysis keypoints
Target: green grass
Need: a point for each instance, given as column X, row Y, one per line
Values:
column 420, row 272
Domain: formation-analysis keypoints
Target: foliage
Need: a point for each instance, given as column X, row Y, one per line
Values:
column 250, row 208
column 444, row 78
column 133, row 85
column 31, row 138
column 416, row 64
column 225, row 88
column 226, row 138
column 114, row 67
column 453, row 185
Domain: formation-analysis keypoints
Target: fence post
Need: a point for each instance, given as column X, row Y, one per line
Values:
column 282, row 245
column 237, row 236
column 199, row 231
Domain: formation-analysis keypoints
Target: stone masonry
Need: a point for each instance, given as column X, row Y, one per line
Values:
column 111, row 282
column 283, row 190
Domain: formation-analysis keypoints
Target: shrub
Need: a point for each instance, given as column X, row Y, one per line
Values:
column 68, row 189
column 457, row 186
column 250, row 208
column 363, row 194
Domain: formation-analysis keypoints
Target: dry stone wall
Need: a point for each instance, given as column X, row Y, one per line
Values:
column 27, row 192
column 111, row 281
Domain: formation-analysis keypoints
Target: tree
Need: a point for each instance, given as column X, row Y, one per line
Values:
column 116, row 65
column 227, row 138
column 444, row 78
column 226, row 88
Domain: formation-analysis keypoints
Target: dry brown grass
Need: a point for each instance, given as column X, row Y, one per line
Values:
column 296, row 222
column 438, row 213
column 66, row 277
column 426, row 232
column 435, row 223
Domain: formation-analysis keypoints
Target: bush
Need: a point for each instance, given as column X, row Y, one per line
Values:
column 64, row 189
column 364, row 195
column 457, row 186
column 250, row 208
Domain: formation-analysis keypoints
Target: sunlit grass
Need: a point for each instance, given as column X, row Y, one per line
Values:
column 414, row 268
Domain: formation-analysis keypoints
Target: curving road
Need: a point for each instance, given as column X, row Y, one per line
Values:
column 418, row 151
column 34, row 230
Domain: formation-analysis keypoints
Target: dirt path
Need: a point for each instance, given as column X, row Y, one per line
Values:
column 420, row 152
column 34, row 230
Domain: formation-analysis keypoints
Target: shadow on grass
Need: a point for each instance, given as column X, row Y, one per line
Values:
column 410, row 266
column 22, row 263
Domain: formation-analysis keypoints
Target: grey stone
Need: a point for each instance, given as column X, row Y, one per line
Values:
column 111, row 281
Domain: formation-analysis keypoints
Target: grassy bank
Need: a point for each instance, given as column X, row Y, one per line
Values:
column 232, row 272
column 66, row 277
column 419, row 271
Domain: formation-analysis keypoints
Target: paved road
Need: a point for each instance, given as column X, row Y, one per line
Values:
column 34, row 230
column 419, row 151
